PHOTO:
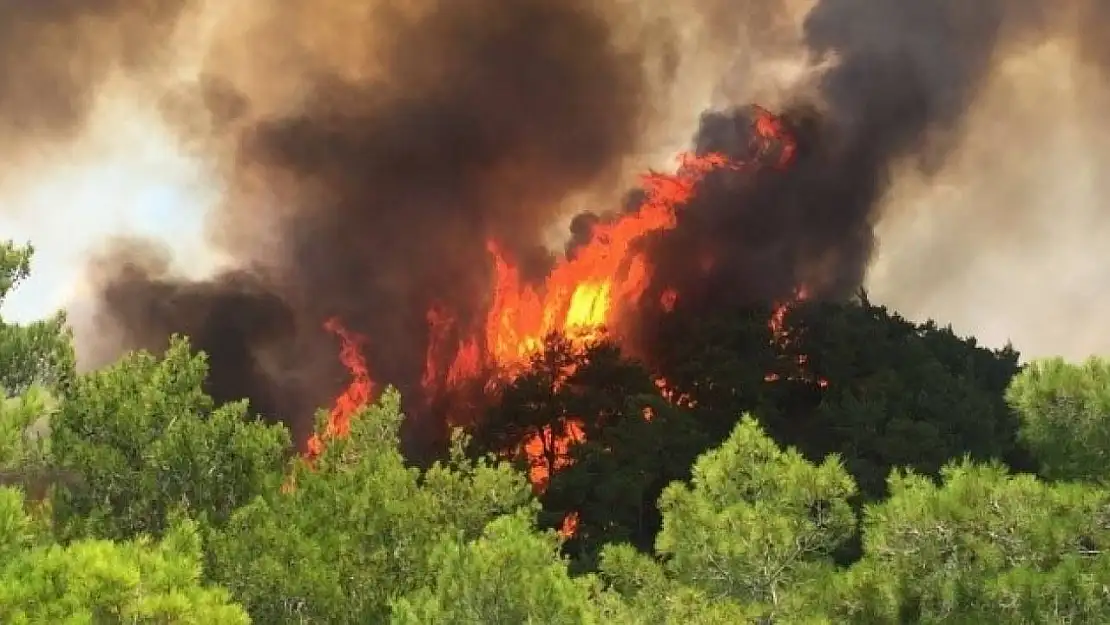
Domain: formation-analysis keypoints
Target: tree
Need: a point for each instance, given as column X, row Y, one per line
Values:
column 649, row 597
column 850, row 379
column 38, row 353
column 36, row 364
column 985, row 546
column 358, row 528
column 145, row 441
column 1065, row 416
column 97, row 581
column 753, row 532
column 754, row 527
column 756, row 520
column 610, row 475
column 25, row 442
column 616, row 476
column 511, row 574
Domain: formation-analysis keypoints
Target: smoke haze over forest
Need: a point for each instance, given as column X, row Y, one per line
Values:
column 355, row 157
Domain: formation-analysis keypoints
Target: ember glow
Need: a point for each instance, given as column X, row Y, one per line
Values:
column 782, row 339
column 587, row 295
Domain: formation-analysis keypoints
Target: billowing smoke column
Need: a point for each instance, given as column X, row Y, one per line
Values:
column 903, row 74
column 472, row 120
column 54, row 55
column 376, row 147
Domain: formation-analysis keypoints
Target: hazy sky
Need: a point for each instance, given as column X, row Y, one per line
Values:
column 126, row 176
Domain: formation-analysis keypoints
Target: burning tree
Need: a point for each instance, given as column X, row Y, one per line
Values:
column 592, row 294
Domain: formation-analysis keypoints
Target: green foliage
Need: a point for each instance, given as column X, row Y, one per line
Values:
column 616, row 475
column 1065, row 416
column 97, row 581
column 510, row 574
column 619, row 472
column 24, row 422
column 25, row 442
column 36, row 364
column 145, row 441
column 37, row 353
column 754, row 524
column 694, row 515
column 756, row 520
column 650, row 597
column 985, row 546
column 750, row 540
column 898, row 395
column 359, row 529
column 894, row 394
column 755, row 527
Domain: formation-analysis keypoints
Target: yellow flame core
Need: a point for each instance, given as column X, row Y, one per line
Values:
column 589, row 306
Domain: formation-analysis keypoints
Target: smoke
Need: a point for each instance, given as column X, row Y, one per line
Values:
column 376, row 149
column 997, row 236
column 56, row 54
column 369, row 150
column 1089, row 16
column 899, row 101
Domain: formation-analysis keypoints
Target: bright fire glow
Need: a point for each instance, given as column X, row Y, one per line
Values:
column 585, row 296
column 358, row 392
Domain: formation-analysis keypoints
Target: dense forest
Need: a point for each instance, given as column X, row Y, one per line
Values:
column 865, row 470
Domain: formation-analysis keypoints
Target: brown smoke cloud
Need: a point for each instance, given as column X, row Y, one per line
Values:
column 56, row 54
column 901, row 79
column 369, row 149
column 375, row 148
column 951, row 168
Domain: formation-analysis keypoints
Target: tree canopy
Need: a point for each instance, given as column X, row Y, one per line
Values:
column 869, row 470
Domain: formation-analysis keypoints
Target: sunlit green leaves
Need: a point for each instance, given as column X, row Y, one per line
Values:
column 98, row 581
column 145, row 440
column 1065, row 416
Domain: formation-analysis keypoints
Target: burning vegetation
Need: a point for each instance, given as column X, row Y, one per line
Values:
column 591, row 295
column 398, row 169
column 689, row 369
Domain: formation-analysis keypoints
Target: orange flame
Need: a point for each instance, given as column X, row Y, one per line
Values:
column 549, row 451
column 355, row 396
column 570, row 525
column 583, row 297
column 585, row 294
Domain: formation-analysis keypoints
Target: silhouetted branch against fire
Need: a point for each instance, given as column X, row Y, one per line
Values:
column 782, row 339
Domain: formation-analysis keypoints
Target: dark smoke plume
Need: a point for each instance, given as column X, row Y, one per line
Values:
column 904, row 74
column 477, row 119
column 1091, row 18
column 366, row 177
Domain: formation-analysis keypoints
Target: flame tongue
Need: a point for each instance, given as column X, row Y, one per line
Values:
column 357, row 394
column 583, row 297
column 587, row 293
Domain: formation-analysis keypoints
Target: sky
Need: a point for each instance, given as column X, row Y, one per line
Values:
column 127, row 175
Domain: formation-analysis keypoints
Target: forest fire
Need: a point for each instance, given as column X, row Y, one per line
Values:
column 586, row 295
column 358, row 393
column 781, row 338
column 582, row 297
